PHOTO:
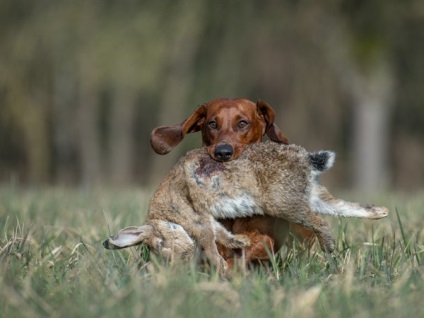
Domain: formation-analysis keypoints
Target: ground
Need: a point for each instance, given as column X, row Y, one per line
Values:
column 52, row 264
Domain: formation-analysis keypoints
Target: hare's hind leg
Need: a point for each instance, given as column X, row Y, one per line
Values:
column 312, row 221
column 323, row 202
column 322, row 231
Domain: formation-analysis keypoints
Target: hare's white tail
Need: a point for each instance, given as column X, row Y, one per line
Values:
column 321, row 201
column 321, row 161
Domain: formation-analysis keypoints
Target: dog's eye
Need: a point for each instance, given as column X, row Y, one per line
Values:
column 213, row 125
column 242, row 124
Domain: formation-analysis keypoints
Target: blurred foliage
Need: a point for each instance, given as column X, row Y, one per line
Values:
column 82, row 83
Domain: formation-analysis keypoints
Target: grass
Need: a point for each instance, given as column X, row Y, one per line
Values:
column 52, row 264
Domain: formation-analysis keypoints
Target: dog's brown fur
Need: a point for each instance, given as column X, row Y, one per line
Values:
column 267, row 179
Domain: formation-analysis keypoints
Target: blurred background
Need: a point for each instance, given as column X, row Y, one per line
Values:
column 83, row 83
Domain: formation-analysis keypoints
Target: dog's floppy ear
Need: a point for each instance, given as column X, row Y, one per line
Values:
column 130, row 236
column 163, row 139
column 273, row 132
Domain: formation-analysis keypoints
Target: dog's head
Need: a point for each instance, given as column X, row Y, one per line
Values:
column 227, row 126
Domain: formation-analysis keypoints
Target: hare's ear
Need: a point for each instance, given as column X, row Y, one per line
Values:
column 163, row 139
column 273, row 132
column 130, row 236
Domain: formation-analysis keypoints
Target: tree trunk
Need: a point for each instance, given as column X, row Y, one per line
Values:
column 88, row 133
column 121, row 145
column 370, row 85
column 372, row 96
column 64, row 125
column 37, row 141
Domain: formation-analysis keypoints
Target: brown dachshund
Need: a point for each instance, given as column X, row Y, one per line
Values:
column 228, row 126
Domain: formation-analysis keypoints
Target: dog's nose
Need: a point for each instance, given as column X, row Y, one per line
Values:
column 223, row 152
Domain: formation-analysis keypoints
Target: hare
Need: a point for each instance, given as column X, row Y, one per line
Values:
column 267, row 179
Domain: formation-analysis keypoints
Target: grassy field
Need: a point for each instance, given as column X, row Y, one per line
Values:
column 52, row 264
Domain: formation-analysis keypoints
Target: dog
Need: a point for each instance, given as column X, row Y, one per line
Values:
column 267, row 179
column 228, row 126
